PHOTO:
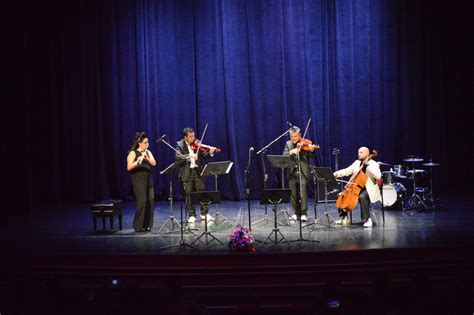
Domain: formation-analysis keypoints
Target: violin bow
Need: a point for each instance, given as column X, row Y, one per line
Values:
column 202, row 138
column 304, row 135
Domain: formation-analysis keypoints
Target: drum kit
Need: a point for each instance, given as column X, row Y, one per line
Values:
column 394, row 192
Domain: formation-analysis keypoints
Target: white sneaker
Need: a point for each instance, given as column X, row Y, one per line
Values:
column 209, row 217
column 294, row 217
column 304, row 218
column 368, row 223
column 192, row 219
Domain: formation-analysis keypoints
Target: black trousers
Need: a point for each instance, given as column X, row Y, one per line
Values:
column 194, row 183
column 300, row 209
column 364, row 204
column 145, row 195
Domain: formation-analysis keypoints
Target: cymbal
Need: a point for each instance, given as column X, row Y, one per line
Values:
column 400, row 176
column 431, row 164
column 416, row 171
column 382, row 163
column 414, row 159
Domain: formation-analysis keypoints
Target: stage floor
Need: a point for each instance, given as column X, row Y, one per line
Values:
column 69, row 230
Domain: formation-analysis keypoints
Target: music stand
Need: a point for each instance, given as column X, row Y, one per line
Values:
column 316, row 194
column 171, row 218
column 181, row 241
column 326, row 176
column 205, row 198
column 215, row 169
column 275, row 197
column 283, row 162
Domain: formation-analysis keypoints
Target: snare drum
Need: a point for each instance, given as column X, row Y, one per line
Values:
column 400, row 171
column 416, row 172
column 393, row 194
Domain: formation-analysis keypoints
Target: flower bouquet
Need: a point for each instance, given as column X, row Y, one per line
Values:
column 241, row 240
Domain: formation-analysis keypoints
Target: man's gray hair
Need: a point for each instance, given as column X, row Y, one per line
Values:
column 295, row 129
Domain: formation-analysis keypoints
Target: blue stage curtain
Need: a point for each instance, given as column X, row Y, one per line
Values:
column 368, row 73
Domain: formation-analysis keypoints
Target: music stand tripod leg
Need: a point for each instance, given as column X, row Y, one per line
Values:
column 206, row 234
column 171, row 218
column 286, row 216
column 225, row 220
column 329, row 219
column 174, row 222
column 315, row 206
column 181, row 243
column 276, row 231
column 301, row 239
column 265, row 219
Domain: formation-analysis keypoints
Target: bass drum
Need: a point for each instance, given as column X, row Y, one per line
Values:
column 393, row 195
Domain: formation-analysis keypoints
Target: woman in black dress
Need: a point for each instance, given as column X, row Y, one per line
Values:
column 139, row 163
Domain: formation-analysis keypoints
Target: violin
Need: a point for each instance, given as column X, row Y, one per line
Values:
column 348, row 199
column 197, row 145
column 307, row 144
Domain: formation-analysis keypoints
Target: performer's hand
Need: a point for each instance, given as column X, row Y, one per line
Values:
column 293, row 151
column 212, row 150
column 312, row 147
column 140, row 159
column 193, row 156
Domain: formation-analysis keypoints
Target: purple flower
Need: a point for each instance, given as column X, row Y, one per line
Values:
column 241, row 239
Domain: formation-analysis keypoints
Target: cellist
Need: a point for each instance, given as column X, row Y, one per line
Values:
column 370, row 192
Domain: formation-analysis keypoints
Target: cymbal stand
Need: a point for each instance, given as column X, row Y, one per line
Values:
column 415, row 200
column 430, row 195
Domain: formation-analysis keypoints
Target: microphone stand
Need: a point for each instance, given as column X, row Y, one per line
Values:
column 265, row 148
column 263, row 151
column 247, row 185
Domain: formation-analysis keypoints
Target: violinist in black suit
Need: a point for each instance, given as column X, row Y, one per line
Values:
column 190, row 170
column 292, row 146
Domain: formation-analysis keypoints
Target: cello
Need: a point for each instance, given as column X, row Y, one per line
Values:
column 349, row 198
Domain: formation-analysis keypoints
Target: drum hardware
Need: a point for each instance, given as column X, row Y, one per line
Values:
column 414, row 201
column 413, row 160
column 416, row 171
column 430, row 196
column 423, row 191
column 431, row 164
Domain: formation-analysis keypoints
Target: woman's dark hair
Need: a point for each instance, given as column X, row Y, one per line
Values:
column 139, row 136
